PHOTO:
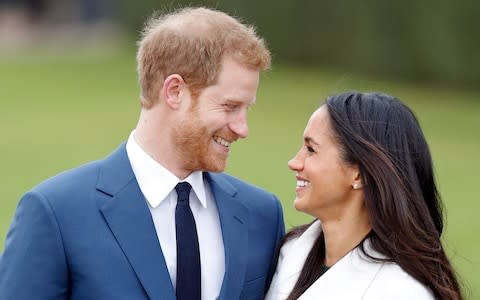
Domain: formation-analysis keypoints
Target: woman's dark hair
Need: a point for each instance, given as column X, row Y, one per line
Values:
column 383, row 138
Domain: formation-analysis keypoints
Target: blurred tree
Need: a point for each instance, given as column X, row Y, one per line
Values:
column 430, row 40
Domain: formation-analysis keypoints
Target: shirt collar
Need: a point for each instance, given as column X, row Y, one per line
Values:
column 157, row 182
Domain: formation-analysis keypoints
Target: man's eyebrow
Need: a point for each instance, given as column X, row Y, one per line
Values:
column 240, row 102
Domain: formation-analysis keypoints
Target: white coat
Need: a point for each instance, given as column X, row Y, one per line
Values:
column 353, row 277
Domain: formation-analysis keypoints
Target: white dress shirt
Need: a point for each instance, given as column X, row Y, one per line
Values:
column 158, row 186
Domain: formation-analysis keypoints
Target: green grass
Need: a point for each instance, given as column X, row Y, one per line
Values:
column 61, row 111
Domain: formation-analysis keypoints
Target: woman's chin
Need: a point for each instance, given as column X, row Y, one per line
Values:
column 299, row 204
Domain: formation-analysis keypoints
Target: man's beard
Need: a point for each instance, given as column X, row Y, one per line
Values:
column 193, row 144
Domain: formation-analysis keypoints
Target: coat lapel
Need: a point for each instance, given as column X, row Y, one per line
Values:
column 234, row 221
column 291, row 261
column 130, row 221
column 349, row 278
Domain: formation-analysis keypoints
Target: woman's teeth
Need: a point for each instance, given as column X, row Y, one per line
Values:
column 303, row 183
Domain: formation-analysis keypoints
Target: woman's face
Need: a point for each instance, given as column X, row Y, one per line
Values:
column 324, row 180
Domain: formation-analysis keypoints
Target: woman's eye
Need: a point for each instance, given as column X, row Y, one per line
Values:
column 310, row 149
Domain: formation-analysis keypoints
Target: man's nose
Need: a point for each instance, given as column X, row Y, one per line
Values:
column 239, row 125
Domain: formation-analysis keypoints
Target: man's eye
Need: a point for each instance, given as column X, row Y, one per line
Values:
column 310, row 149
column 230, row 107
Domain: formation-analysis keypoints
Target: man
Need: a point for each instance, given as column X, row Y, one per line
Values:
column 119, row 228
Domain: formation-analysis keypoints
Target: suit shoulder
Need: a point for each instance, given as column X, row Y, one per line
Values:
column 243, row 185
column 69, row 184
column 255, row 198
column 71, row 176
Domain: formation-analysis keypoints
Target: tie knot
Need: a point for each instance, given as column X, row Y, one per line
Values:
column 183, row 191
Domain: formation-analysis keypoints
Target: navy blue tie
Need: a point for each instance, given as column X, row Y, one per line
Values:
column 188, row 254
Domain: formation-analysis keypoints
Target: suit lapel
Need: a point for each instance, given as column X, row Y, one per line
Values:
column 130, row 221
column 234, row 221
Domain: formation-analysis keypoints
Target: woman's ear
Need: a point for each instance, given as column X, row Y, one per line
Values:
column 170, row 92
column 357, row 180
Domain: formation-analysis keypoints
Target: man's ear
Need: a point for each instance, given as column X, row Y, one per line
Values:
column 170, row 92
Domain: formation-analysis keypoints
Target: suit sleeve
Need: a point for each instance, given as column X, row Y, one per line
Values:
column 278, row 239
column 33, row 265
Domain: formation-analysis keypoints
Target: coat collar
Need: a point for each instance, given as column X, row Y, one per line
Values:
column 349, row 278
column 290, row 262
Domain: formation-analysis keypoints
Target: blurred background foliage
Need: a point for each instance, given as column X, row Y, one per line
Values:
column 426, row 40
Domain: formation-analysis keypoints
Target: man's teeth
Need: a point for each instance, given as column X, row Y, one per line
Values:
column 302, row 183
column 221, row 141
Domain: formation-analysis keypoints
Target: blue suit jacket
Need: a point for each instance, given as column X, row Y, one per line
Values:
column 88, row 234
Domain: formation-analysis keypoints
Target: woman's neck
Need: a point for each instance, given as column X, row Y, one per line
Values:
column 344, row 234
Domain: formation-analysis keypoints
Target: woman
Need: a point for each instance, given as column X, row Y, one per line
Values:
column 365, row 173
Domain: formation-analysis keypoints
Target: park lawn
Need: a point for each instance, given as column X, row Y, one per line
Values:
column 59, row 111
